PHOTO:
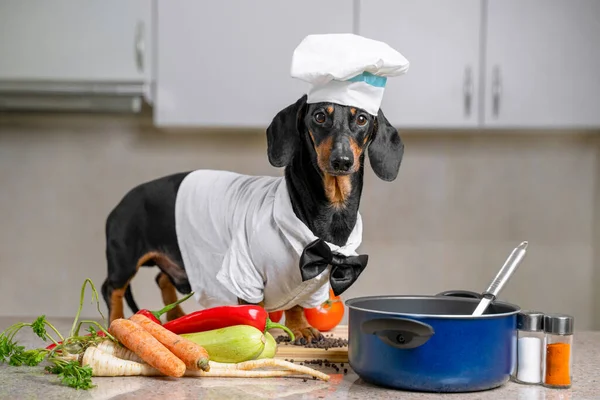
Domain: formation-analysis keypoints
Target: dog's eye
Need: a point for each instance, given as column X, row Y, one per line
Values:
column 361, row 120
column 320, row 117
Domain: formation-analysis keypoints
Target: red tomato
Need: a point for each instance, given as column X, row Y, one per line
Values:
column 328, row 315
column 275, row 316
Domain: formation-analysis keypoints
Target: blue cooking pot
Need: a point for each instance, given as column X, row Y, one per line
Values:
column 432, row 343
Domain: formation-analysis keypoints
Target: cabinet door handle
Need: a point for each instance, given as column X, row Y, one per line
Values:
column 468, row 91
column 496, row 91
column 140, row 46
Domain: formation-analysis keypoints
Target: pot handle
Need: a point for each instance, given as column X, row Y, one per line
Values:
column 400, row 333
column 461, row 293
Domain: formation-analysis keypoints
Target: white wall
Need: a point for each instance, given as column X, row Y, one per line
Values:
column 461, row 203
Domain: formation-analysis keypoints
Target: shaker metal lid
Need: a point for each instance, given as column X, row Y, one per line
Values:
column 559, row 324
column 530, row 321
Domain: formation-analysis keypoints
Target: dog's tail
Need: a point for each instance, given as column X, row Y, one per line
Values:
column 130, row 301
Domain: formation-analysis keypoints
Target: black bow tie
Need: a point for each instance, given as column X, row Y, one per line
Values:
column 344, row 272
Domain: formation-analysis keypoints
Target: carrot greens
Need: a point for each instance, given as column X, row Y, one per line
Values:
column 72, row 374
column 16, row 355
column 63, row 358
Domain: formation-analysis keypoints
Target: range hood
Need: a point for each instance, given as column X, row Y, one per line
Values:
column 74, row 96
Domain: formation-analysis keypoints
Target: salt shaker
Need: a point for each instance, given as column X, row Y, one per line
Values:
column 558, row 371
column 530, row 347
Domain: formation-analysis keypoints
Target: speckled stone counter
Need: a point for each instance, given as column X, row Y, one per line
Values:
column 34, row 383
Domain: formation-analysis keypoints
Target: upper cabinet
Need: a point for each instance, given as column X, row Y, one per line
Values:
column 233, row 58
column 441, row 40
column 542, row 63
column 473, row 63
column 75, row 41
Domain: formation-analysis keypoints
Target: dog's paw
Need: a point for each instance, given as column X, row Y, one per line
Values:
column 306, row 334
column 296, row 321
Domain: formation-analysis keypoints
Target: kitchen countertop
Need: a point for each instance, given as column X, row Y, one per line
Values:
column 34, row 383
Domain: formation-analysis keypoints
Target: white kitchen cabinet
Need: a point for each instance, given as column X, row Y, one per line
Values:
column 227, row 63
column 441, row 40
column 75, row 41
column 542, row 63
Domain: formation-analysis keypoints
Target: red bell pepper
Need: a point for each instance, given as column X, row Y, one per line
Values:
column 276, row 316
column 223, row 317
column 155, row 315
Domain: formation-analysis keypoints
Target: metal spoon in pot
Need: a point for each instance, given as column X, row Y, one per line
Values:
column 510, row 265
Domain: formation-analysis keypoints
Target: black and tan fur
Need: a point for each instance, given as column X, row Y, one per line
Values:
column 322, row 148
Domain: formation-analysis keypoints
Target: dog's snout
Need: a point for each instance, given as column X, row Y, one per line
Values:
column 341, row 158
column 341, row 163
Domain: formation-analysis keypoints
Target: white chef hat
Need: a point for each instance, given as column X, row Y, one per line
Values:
column 346, row 69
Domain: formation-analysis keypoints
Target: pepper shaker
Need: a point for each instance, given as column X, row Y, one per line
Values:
column 559, row 350
column 530, row 348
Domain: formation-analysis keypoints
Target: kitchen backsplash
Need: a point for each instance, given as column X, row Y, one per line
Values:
column 461, row 203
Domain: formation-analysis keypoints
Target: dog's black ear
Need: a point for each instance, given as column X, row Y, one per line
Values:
column 283, row 134
column 386, row 149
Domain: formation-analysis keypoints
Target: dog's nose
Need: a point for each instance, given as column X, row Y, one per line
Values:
column 341, row 163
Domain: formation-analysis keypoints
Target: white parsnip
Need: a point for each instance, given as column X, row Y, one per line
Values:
column 239, row 373
column 268, row 362
column 119, row 351
column 104, row 364
column 69, row 357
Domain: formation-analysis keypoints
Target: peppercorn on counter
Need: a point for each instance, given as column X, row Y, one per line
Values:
column 34, row 383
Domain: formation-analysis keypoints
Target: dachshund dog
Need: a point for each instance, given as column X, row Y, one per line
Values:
column 322, row 147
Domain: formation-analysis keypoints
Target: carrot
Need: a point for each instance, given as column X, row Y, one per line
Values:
column 143, row 344
column 104, row 364
column 193, row 355
column 118, row 350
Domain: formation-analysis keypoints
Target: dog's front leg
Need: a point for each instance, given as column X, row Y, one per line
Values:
column 242, row 302
column 296, row 321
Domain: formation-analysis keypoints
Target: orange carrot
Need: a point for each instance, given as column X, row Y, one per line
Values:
column 136, row 339
column 193, row 355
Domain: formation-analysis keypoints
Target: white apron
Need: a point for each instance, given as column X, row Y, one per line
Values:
column 239, row 238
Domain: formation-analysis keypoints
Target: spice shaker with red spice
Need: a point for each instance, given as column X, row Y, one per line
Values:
column 559, row 350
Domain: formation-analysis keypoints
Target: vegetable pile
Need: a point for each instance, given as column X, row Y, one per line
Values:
column 229, row 341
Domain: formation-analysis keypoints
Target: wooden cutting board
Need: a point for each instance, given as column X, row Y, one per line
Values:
column 301, row 353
